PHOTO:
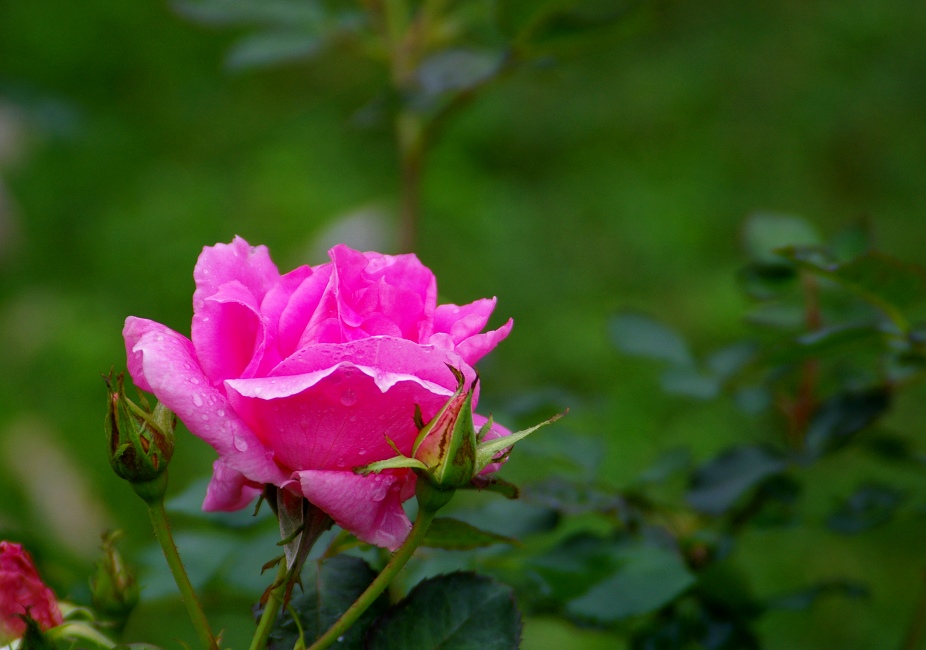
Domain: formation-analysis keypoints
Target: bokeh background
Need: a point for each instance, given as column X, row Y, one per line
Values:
column 614, row 173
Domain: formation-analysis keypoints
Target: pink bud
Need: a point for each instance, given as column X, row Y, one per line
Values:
column 22, row 593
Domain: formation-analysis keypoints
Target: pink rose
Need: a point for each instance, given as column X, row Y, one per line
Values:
column 22, row 592
column 297, row 379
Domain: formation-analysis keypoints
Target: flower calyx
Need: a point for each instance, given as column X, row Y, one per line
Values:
column 140, row 440
column 113, row 587
column 449, row 453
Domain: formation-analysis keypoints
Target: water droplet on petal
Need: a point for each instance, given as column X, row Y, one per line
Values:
column 197, row 400
column 220, row 413
column 349, row 397
column 240, row 444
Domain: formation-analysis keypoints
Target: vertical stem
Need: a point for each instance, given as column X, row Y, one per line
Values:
column 162, row 532
column 271, row 609
column 410, row 141
column 805, row 401
column 383, row 580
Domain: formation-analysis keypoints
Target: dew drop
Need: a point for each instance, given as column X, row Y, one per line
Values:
column 197, row 400
column 349, row 397
column 362, row 452
column 205, row 417
column 240, row 444
column 220, row 413
column 194, row 380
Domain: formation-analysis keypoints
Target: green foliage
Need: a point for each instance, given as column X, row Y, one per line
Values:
column 459, row 611
column 329, row 588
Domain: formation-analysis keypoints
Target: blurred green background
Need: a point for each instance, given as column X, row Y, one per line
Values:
column 614, row 173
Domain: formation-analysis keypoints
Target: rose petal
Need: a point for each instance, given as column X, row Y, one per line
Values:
column 171, row 371
column 463, row 321
column 476, row 347
column 228, row 333
column 335, row 419
column 134, row 329
column 370, row 507
column 249, row 265
column 228, row 490
column 397, row 288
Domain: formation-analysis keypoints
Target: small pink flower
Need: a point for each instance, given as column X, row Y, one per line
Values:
column 297, row 379
column 22, row 593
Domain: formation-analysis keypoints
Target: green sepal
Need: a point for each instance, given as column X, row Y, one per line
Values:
column 399, row 462
column 488, row 452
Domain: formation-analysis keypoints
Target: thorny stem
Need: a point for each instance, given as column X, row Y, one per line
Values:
column 271, row 609
column 383, row 580
column 162, row 532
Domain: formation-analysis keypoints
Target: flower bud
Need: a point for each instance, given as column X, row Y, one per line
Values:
column 447, row 444
column 113, row 587
column 25, row 602
column 141, row 441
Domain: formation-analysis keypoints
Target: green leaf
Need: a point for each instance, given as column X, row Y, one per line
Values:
column 764, row 233
column 641, row 336
column 649, row 578
column 690, row 382
column 668, row 464
column 838, row 419
column 459, row 611
column 718, row 484
column 329, row 588
column 831, row 340
column 456, row 535
column 868, row 507
column 805, row 598
column 767, row 280
column 275, row 13
column 574, row 566
column 457, row 70
column 571, row 497
column 267, row 49
column 887, row 283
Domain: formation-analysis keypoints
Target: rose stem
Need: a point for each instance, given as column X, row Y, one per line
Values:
column 386, row 576
column 274, row 602
column 162, row 532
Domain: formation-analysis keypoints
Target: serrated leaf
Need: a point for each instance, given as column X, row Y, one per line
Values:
column 838, row 419
column 459, row 611
column 329, row 588
column 868, row 507
column 718, row 484
column 648, row 578
column 271, row 48
column 641, row 336
column 453, row 534
column 765, row 232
